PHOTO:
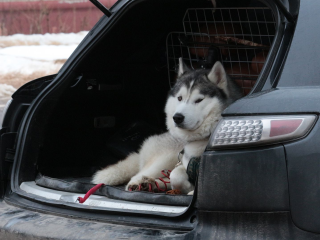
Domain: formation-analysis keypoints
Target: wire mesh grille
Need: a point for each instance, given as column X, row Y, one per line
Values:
column 238, row 37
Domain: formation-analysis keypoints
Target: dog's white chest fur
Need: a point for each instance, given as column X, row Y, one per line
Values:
column 193, row 149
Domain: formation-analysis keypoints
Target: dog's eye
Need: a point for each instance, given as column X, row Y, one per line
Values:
column 179, row 98
column 199, row 100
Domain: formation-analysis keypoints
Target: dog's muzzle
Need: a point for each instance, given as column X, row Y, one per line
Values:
column 178, row 118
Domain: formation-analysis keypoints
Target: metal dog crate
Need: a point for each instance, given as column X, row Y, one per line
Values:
column 238, row 37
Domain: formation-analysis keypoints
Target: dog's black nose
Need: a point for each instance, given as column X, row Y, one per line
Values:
column 178, row 118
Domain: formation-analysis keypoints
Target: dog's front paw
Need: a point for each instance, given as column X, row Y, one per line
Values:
column 133, row 185
column 190, row 193
column 143, row 184
column 107, row 177
column 179, row 180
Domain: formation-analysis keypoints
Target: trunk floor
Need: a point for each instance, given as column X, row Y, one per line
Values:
column 82, row 185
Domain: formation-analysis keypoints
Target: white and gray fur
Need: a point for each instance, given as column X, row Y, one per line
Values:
column 193, row 109
column 216, row 91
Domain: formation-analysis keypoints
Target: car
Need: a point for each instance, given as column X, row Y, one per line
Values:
column 259, row 175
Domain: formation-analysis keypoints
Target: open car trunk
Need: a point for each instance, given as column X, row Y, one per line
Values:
column 111, row 94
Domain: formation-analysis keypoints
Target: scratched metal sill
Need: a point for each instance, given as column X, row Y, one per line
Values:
column 97, row 202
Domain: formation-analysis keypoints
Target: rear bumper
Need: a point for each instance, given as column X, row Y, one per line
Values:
column 18, row 223
column 244, row 180
column 227, row 225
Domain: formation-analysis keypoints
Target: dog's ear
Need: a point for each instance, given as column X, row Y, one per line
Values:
column 183, row 68
column 218, row 76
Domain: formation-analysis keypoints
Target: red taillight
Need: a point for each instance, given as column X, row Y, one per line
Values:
column 258, row 130
column 283, row 127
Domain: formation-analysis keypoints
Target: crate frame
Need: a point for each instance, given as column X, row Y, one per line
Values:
column 198, row 38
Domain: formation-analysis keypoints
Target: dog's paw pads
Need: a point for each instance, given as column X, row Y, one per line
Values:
column 147, row 180
column 144, row 184
column 133, row 187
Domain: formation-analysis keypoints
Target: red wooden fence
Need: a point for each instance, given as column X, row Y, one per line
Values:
column 32, row 17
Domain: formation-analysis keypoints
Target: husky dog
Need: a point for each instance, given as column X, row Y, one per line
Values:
column 193, row 109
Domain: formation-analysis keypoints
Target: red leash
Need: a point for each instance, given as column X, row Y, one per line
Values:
column 89, row 193
column 165, row 173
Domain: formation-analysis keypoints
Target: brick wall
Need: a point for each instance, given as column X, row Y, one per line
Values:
column 45, row 16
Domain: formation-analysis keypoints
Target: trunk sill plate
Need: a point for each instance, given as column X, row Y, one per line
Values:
column 97, row 201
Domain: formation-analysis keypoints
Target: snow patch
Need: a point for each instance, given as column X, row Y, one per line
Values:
column 27, row 57
column 42, row 39
column 24, row 66
column 6, row 90
column 42, row 53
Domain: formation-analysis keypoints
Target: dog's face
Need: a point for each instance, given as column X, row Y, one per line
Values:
column 196, row 101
